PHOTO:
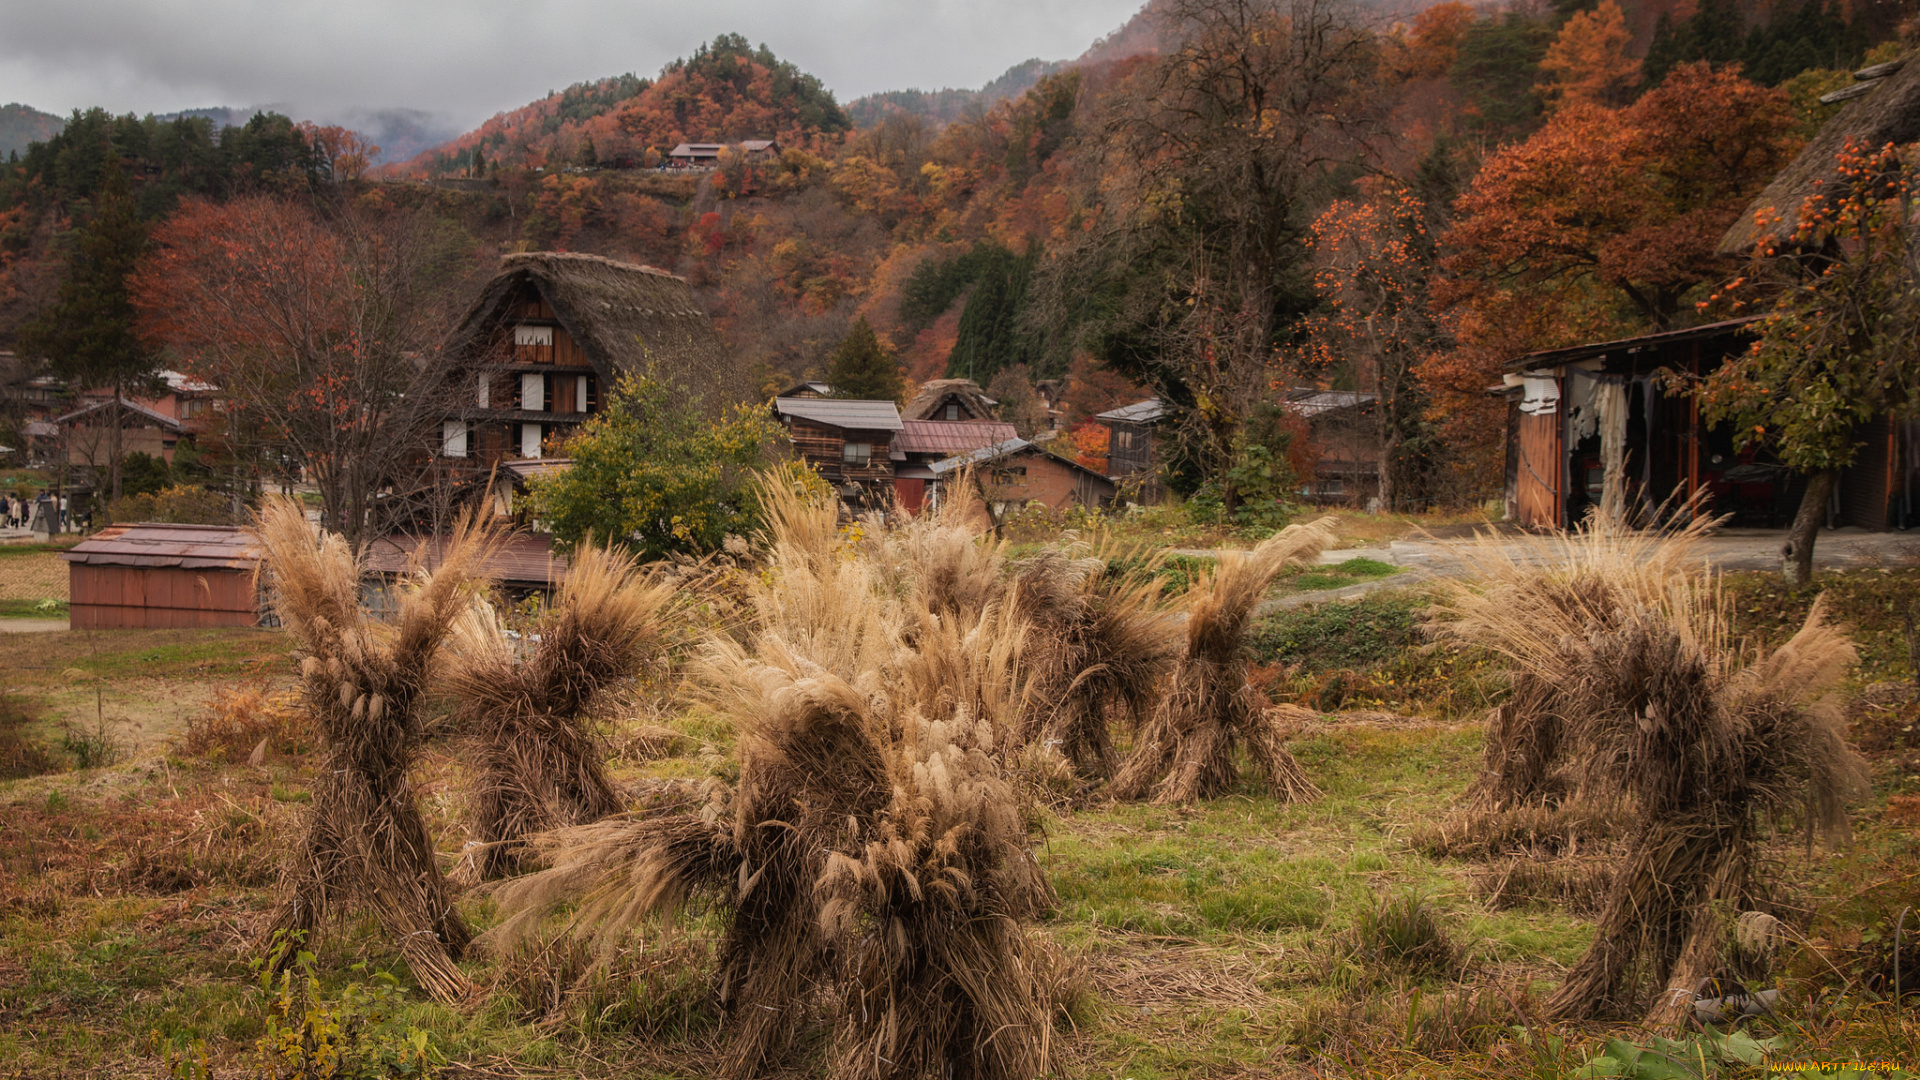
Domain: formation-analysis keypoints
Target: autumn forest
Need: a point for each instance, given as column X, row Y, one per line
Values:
column 1222, row 198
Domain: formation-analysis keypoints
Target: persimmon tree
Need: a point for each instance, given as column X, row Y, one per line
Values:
column 1373, row 261
column 321, row 329
column 1840, row 343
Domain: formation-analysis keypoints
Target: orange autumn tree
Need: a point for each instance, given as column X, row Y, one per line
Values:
column 1604, row 223
column 1588, row 63
column 1373, row 260
column 729, row 90
column 315, row 329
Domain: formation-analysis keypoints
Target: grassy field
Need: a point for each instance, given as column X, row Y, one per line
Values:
column 1234, row 938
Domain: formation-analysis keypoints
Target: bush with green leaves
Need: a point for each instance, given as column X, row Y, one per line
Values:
column 655, row 474
column 355, row 1034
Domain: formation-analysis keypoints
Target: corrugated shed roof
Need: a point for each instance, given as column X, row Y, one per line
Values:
column 525, row 469
column 521, row 559
column 1573, row 353
column 1320, row 401
column 951, row 436
column 843, row 412
column 188, row 547
column 983, row 454
column 1140, row 412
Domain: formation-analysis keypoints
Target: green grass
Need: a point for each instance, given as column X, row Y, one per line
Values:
column 1341, row 575
column 33, row 609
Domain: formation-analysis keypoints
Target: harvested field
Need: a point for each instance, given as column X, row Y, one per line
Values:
column 1225, row 938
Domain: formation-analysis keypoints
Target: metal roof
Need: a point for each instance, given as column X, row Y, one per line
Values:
column 951, row 436
column 983, row 454
column 188, row 547
column 131, row 406
column 802, row 388
column 1573, row 353
column 1140, row 412
column 1320, row 401
column 842, row 412
column 527, row 469
column 520, row 559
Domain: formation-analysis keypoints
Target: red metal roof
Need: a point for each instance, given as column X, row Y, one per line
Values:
column 522, row 559
column 189, row 547
column 946, row 437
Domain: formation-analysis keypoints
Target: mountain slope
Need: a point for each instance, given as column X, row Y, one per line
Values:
column 23, row 124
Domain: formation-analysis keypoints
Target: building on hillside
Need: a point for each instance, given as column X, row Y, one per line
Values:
column 1130, row 451
column 848, row 442
column 807, row 390
column 707, row 155
column 551, row 335
column 88, row 432
column 950, row 399
column 1596, row 420
column 922, row 443
column 1017, row 473
column 147, row 576
column 1344, row 440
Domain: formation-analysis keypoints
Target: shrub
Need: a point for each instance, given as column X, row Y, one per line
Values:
column 357, row 1034
column 1404, row 931
column 179, row 504
column 242, row 716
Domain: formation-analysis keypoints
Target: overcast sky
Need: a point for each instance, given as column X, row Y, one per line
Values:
column 470, row 59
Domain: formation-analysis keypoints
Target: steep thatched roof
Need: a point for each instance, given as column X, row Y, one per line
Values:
column 625, row 317
column 1887, row 112
column 935, row 393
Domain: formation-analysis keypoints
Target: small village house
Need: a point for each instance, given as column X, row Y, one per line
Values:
column 1130, row 451
column 520, row 565
column 923, row 443
column 148, row 576
column 848, row 442
column 706, row 155
column 551, row 335
column 1344, row 443
column 1017, row 473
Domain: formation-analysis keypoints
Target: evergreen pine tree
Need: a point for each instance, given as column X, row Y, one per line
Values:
column 862, row 368
column 87, row 335
column 991, row 336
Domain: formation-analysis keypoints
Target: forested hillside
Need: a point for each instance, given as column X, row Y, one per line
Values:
column 1428, row 198
column 21, row 126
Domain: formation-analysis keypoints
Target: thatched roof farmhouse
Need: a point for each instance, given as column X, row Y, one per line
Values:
column 552, row 333
column 1881, row 107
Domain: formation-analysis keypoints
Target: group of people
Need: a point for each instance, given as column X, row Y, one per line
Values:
column 38, row 513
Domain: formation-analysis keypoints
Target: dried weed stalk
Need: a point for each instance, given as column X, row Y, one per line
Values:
column 1701, row 735
column 361, row 681
column 539, row 762
column 1185, row 749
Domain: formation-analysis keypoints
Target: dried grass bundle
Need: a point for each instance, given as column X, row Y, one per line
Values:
column 539, row 763
column 871, row 858
column 1185, row 749
column 1665, row 712
column 1099, row 649
column 361, row 681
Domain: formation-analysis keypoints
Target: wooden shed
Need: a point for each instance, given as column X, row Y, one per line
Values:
column 147, row 576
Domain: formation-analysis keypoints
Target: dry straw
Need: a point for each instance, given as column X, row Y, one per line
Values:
column 1185, row 750
column 1661, row 710
column 361, row 680
column 872, row 860
column 539, row 762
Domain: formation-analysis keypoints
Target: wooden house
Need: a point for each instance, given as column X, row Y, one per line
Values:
column 1345, row 444
column 1017, row 473
column 847, row 441
column 922, row 443
column 1130, row 456
column 148, row 576
column 550, row 336
column 1593, row 426
column 143, row 429
column 521, row 564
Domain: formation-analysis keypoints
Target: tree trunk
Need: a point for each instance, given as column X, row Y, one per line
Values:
column 113, row 450
column 1797, row 553
column 1389, row 448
